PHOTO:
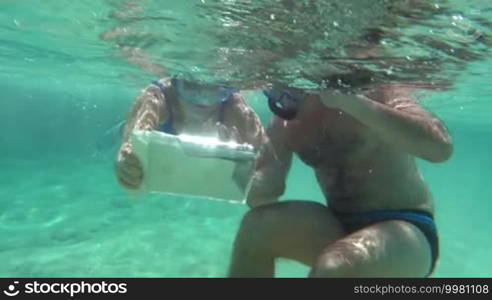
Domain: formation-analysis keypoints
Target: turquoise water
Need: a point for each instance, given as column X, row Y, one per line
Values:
column 62, row 213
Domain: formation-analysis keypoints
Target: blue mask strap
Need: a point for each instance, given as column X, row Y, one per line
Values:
column 226, row 92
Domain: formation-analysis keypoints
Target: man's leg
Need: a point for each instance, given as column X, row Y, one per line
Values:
column 298, row 230
column 386, row 249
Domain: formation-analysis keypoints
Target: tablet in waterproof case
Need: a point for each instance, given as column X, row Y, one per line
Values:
column 194, row 165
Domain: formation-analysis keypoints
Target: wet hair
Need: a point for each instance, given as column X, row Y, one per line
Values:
column 355, row 78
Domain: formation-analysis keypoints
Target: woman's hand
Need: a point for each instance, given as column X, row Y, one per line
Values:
column 128, row 168
column 227, row 134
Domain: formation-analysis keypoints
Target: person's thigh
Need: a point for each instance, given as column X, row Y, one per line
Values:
column 297, row 230
column 386, row 249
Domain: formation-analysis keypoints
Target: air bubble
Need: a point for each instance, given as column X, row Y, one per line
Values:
column 463, row 30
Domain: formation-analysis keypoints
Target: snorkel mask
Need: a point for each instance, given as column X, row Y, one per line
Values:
column 282, row 103
column 202, row 95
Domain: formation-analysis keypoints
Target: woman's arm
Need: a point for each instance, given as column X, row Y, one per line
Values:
column 243, row 123
column 274, row 160
column 147, row 113
column 399, row 121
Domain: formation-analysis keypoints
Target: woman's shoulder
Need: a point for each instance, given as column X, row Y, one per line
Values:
column 158, row 86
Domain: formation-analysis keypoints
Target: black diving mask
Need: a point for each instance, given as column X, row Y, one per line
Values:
column 282, row 103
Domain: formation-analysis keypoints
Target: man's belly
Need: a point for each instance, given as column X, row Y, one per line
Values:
column 371, row 189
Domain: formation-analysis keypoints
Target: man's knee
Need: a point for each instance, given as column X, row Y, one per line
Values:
column 260, row 216
column 344, row 258
column 259, row 226
column 333, row 265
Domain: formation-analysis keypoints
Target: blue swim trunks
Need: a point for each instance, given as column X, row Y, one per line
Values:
column 422, row 219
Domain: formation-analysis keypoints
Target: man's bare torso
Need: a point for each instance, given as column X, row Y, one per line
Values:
column 356, row 170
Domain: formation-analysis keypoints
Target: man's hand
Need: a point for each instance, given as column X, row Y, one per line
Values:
column 128, row 168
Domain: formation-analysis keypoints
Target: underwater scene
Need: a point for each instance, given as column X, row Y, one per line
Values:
column 71, row 71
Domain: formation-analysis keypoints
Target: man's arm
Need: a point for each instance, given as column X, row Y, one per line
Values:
column 400, row 121
column 272, row 167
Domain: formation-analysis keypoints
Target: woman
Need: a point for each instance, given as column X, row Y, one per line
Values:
column 177, row 106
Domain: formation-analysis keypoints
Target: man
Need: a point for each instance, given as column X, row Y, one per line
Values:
column 378, row 221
